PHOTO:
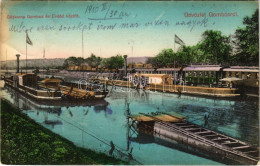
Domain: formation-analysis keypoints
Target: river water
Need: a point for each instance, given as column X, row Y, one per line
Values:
column 94, row 126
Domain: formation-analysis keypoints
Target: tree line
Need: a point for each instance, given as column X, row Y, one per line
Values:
column 242, row 48
column 114, row 62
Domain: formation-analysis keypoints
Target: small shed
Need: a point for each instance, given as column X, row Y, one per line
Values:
column 26, row 79
column 157, row 79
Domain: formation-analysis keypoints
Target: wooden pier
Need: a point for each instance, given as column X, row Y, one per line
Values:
column 209, row 141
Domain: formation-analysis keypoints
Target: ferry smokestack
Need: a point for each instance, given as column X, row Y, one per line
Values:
column 18, row 56
column 125, row 60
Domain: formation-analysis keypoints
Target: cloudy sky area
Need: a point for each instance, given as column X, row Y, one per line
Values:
column 145, row 40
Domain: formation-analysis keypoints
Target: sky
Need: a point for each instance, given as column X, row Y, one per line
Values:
column 133, row 28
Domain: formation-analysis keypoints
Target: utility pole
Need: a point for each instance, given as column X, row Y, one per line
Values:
column 43, row 57
column 82, row 52
column 125, row 60
column 17, row 69
column 26, row 58
column 6, row 69
column 82, row 45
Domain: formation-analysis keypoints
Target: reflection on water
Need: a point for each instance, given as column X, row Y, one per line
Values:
column 95, row 125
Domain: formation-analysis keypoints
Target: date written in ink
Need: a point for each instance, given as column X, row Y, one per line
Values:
column 105, row 11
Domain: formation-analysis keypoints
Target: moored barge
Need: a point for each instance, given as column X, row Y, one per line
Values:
column 172, row 127
column 52, row 88
column 28, row 84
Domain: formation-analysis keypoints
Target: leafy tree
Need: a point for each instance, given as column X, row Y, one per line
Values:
column 190, row 54
column 186, row 55
column 151, row 60
column 246, row 41
column 166, row 58
column 114, row 62
column 93, row 60
column 73, row 61
column 216, row 47
column 79, row 61
column 104, row 62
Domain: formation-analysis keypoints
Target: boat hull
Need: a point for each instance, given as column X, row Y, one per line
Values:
column 163, row 132
column 34, row 93
column 205, row 140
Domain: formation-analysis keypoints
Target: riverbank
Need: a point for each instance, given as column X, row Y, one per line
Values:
column 24, row 142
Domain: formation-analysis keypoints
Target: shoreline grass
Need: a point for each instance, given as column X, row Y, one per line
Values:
column 23, row 142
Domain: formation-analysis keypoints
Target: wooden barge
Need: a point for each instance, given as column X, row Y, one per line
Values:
column 172, row 127
column 27, row 84
column 51, row 89
column 50, row 105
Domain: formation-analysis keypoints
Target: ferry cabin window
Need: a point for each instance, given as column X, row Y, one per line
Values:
column 243, row 75
column 248, row 76
column 200, row 74
column 206, row 74
column 237, row 74
column 253, row 75
column 211, row 74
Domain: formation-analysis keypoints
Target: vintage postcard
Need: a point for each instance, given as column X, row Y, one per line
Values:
column 129, row 82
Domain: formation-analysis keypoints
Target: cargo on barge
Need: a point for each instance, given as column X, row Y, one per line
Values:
column 52, row 88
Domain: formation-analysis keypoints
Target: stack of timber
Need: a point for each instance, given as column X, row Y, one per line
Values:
column 75, row 93
column 177, row 128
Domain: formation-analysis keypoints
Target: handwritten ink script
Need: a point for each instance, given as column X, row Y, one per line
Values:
column 101, row 17
column 191, row 24
column 106, row 11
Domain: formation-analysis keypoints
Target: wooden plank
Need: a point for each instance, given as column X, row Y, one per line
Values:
column 187, row 126
column 241, row 147
column 253, row 151
column 180, row 123
column 174, row 116
column 202, row 132
column 167, row 118
column 227, row 143
column 212, row 135
column 190, row 129
column 220, row 139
